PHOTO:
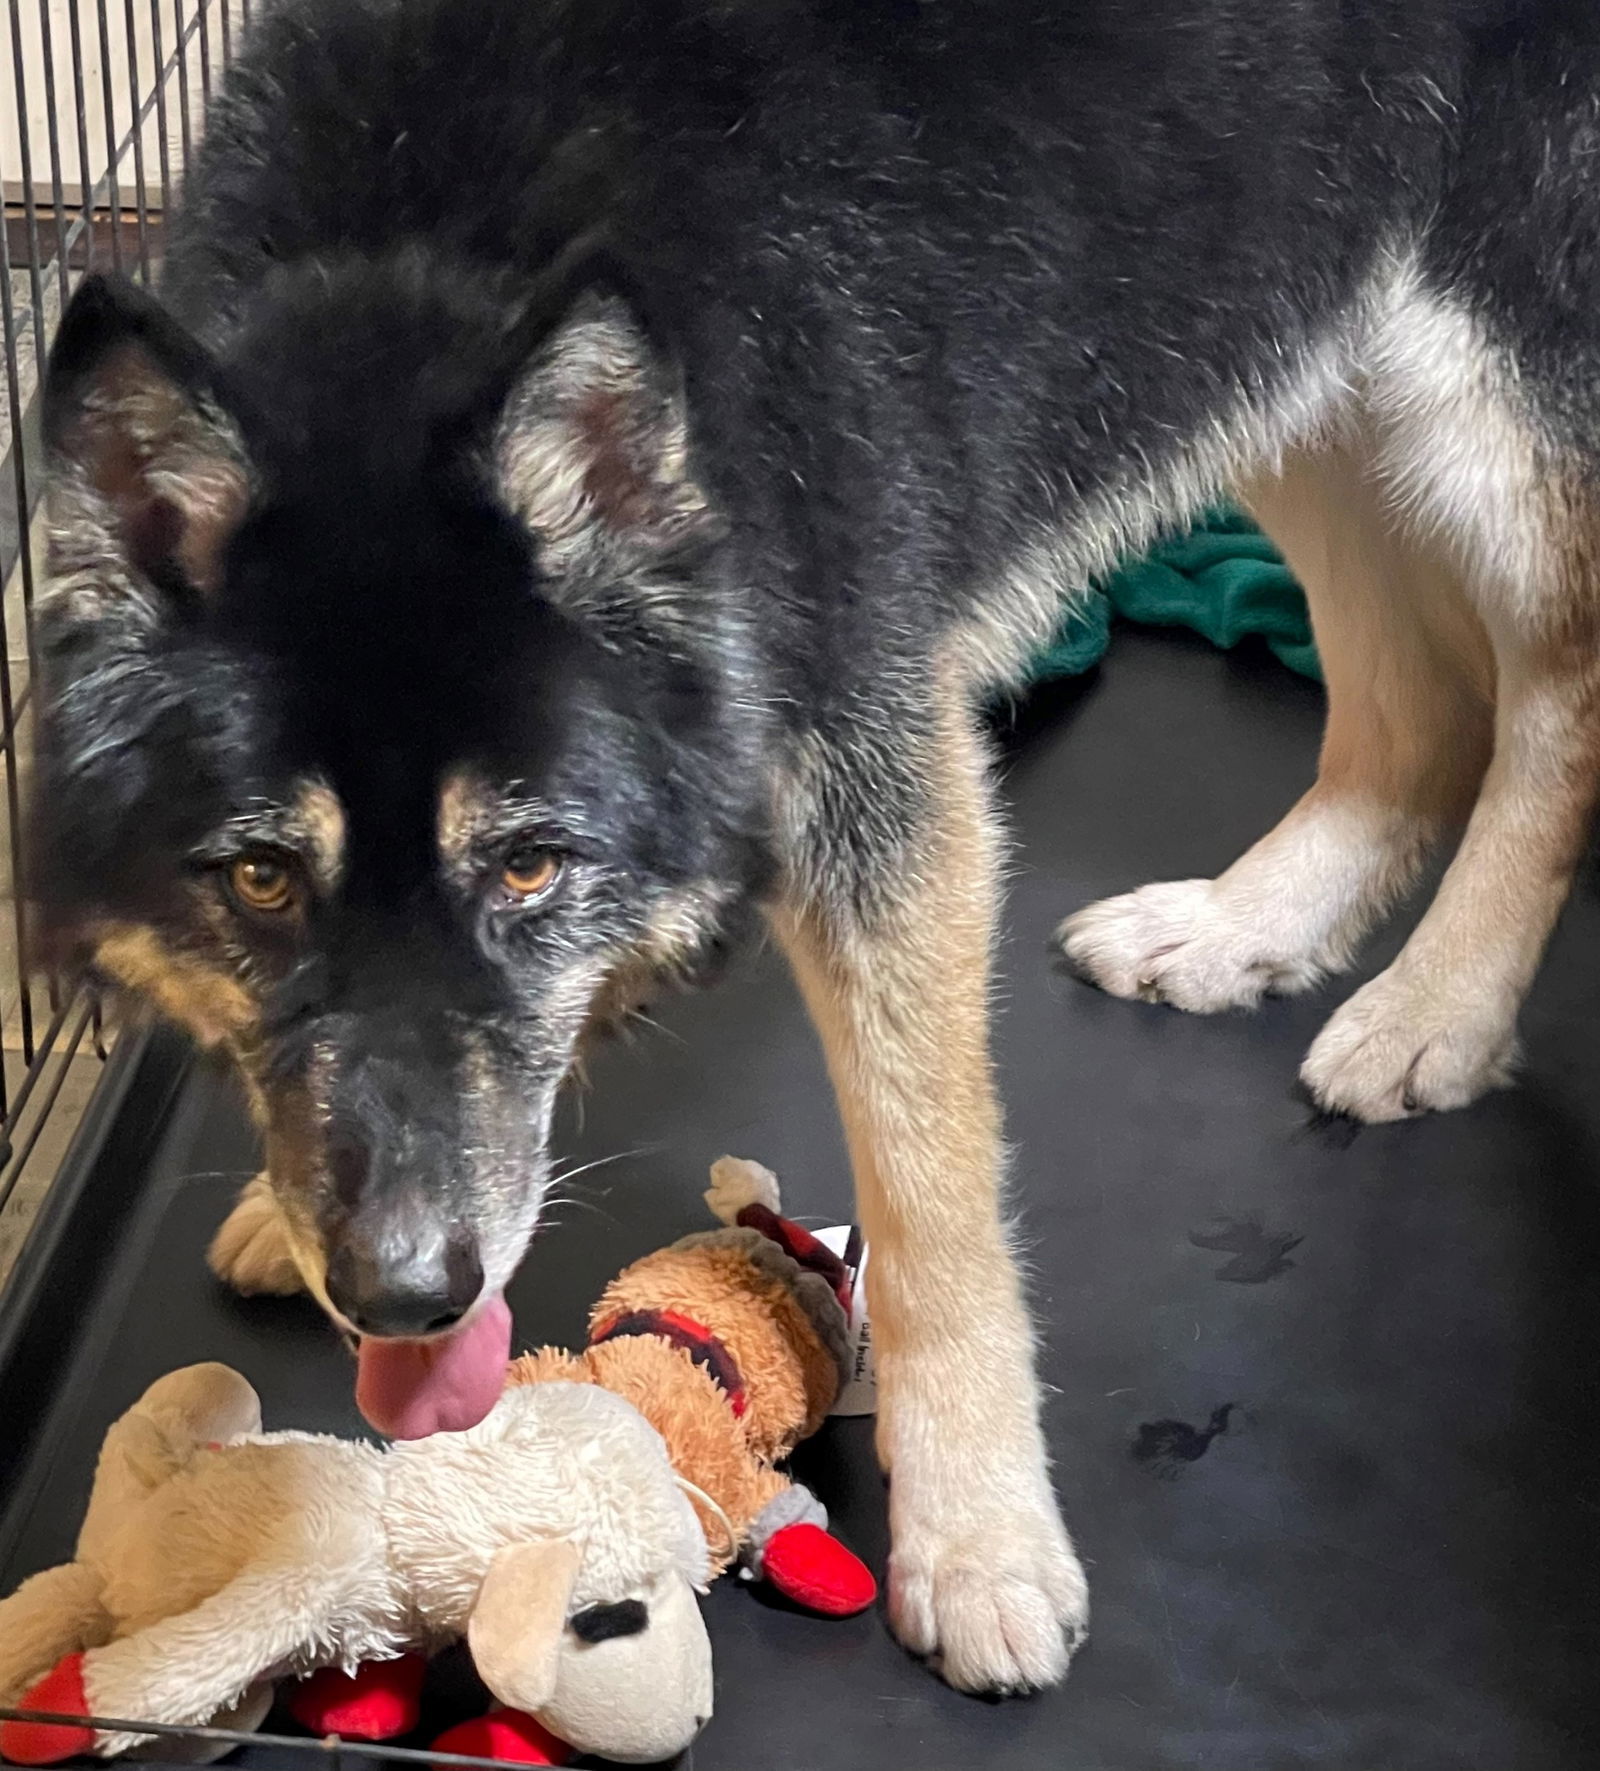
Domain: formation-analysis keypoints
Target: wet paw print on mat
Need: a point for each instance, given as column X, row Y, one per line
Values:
column 1165, row 1447
column 1258, row 1254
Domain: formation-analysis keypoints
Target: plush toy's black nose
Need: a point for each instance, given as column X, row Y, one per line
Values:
column 403, row 1294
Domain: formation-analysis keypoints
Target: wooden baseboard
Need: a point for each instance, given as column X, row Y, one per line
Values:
column 95, row 247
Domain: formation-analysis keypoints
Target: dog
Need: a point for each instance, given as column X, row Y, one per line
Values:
column 586, row 467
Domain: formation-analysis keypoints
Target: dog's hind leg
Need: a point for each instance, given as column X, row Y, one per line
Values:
column 888, row 919
column 1409, row 678
column 1471, row 454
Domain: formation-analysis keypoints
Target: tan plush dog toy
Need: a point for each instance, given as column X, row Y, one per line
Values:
column 563, row 1538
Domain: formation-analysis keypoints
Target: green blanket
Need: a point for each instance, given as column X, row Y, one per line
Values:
column 1223, row 579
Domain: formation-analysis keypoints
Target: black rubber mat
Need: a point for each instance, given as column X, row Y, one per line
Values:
column 1324, row 1408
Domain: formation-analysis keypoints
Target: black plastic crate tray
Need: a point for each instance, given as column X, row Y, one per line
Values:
column 1385, row 1562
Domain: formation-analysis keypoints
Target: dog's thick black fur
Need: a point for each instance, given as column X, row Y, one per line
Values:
column 590, row 458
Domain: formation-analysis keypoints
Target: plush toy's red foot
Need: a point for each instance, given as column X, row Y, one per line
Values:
column 511, row 1735
column 60, row 1692
column 815, row 1570
column 380, row 1699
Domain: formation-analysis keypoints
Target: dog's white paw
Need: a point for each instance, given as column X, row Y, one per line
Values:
column 999, row 1605
column 251, row 1251
column 1184, row 943
column 1402, row 1046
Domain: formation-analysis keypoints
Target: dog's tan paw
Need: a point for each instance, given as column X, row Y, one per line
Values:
column 251, row 1251
column 1182, row 943
column 1399, row 1048
column 999, row 1606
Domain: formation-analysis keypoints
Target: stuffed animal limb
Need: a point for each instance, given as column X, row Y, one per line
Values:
column 57, row 1612
column 61, row 1617
column 380, row 1700
column 62, row 1611
column 178, row 1415
column 184, row 1671
column 510, row 1735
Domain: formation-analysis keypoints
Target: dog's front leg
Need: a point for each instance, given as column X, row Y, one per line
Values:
column 888, row 921
column 252, row 1251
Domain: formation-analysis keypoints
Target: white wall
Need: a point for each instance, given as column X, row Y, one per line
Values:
column 132, row 64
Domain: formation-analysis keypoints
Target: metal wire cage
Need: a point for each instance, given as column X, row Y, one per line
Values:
column 103, row 102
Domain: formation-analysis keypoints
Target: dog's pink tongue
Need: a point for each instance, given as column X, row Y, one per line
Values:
column 409, row 1389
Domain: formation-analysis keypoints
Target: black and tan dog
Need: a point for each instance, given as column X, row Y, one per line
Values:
column 587, row 463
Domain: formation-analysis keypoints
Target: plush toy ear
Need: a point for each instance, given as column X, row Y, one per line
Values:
column 151, row 472
column 516, row 1625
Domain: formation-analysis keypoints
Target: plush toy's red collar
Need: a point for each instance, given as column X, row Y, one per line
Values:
column 695, row 1338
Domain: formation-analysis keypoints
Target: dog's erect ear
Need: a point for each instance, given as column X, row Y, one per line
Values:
column 592, row 448
column 150, row 469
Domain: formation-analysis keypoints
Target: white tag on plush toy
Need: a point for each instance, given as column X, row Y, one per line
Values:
column 860, row 1393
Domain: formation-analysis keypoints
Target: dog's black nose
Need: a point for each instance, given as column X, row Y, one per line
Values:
column 403, row 1299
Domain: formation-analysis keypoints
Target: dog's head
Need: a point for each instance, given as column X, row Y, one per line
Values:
column 392, row 722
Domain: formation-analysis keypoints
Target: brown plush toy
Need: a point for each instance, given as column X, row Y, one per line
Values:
column 734, row 1344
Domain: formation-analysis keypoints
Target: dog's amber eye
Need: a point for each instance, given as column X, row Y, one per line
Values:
column 530, row 873
column 262, row 885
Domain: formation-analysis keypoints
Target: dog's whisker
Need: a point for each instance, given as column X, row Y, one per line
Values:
column 563, row 1176
column 645, row 1020
column 554, row 1207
